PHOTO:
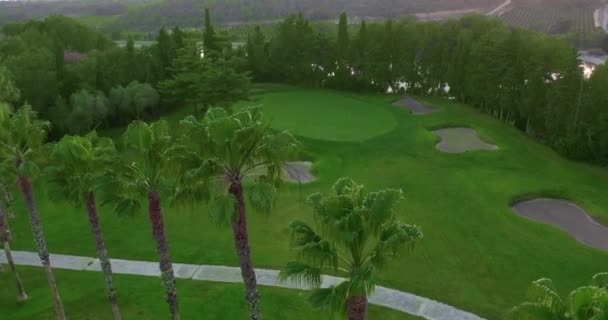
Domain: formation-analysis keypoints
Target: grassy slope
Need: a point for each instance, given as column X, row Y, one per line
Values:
column 477, row 254
column 142, row 298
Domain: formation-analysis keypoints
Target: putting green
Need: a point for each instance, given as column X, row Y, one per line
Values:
column 325, row 115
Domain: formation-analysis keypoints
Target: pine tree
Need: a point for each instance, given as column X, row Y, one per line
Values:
column 209, row 37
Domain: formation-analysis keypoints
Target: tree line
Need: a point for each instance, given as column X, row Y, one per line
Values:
column 529, row 80
column 78, row 79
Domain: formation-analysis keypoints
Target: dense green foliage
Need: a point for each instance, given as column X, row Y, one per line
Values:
column 80, row 80
column 355, row 235
column 544, row 302
column 529, row 80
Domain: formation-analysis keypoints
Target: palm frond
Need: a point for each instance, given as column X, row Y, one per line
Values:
column 543, row 291
column 194, row 185
column 532, row 311
column 600, row 280
column 587, row 303
column 394, row 239
column 345, row 186
column 381, row 207
column 362, row 280
column 138, row 137
column 301, row 274
column 222, row 208
column 333, row 298
column 261, row 196
column 311, row 247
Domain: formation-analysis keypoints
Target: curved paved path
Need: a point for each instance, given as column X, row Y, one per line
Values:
column 394, row 299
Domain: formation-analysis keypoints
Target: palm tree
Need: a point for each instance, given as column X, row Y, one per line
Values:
column 544, row 303
column 8, row 199
column 5, row 238
column 147, row 171
column 357, row 234
column 235, row 145
column 78, row 166
column 22, row 136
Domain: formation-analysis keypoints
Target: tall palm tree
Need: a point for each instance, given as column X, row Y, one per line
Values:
column 78, row 166
column 229, row 147
column 544, row 302
column 356, row 234
column 8, row 199
column 149, row 160
column 5, row 238
column 22, row 136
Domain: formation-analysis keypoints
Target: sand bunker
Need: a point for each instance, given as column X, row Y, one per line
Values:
column 459, row 140
column 416, row 107
column 298, row 171
column 568, row 217
column 293, row 171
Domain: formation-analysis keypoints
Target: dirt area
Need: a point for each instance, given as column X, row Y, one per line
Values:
column 460, row 140
column 568, row 217
column 298, row 171
column 417, row 108
column 293, row 171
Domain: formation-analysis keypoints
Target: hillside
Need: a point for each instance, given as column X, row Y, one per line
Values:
column 142, row 15
column 553, row 16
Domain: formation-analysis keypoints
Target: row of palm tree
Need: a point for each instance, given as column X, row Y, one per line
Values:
column 208, row 160
column 211, row 159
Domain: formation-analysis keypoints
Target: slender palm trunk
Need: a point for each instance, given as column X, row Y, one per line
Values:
column 5, row 238
column 241, row 241
column 8, row 196
column 357, row 308
column 26, row 188
column 102, row 252
column 158, row 231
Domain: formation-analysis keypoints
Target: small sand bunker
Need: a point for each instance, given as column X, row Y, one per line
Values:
column 293, row 171
column 459, row 140
column 567, row 216
column 416, row 107
column 298, row 171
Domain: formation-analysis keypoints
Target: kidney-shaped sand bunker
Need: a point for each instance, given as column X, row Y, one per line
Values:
column 566, row 216
column 459, row 140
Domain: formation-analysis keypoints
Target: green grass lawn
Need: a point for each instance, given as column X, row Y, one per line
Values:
column 476, row 255
column 141, row 298
column 325, row 115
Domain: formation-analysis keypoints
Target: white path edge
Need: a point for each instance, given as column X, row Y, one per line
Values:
column 390, row 298
column 498, row 9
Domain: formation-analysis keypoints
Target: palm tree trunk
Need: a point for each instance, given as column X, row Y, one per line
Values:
column 26, row 188
column 5, row 238
column 357, row 308
column 102, row 252
column 241, row 241
column 9, row 199
column 158, row 231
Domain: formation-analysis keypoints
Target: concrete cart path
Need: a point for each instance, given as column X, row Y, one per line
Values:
column 390, row 298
